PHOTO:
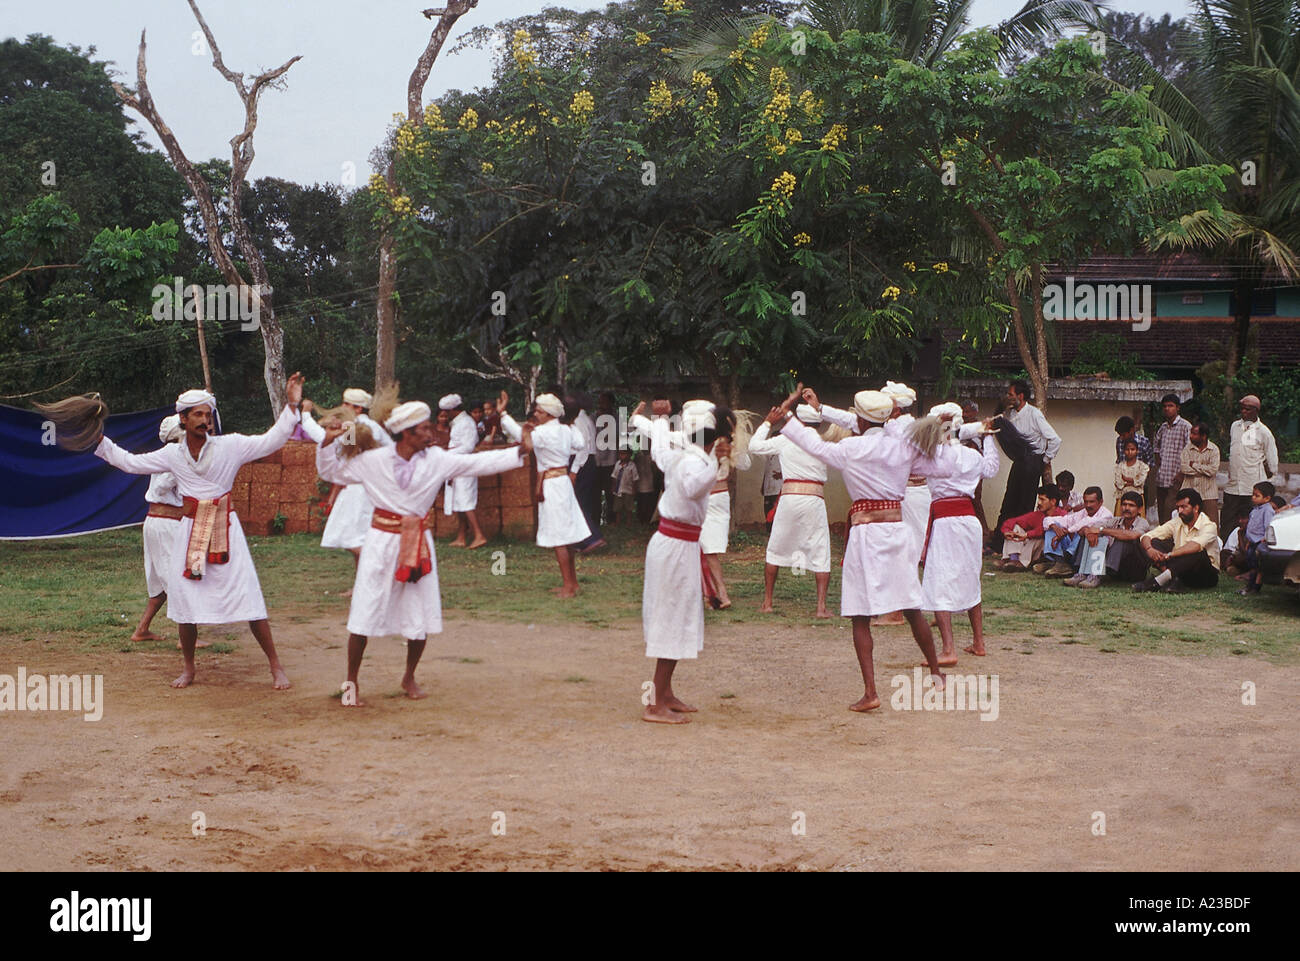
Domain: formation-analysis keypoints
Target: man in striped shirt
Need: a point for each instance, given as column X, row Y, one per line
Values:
column 1171, row 437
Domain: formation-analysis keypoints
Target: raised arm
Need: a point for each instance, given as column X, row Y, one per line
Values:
column 1053, row 438
column 250, row 448
column 484, row 463
column 991, row 462
column 806, row 439
column 840, row 418
column 312, row 429
column 333, row 468
column 763, row 443
column 154, row 462
column 511, row 427
column 663, row 451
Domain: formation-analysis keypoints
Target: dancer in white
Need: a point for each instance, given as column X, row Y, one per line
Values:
column 560, row 521
column 673, row 622
column 396, row 590
column 716, row 529
column 954, row 552
column 349, row 518
column 877, row 578
column 461, row 494
column 216, row 583
column 800, row 531
column 159, row 533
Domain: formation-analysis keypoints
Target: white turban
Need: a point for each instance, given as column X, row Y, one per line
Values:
column 903, row 395
column 550, row 404
column 698, row 415
column 192, row 398
column 170, row 428
column 953, row 408
column 873, row 405
column 355, row 395
column 450, row 402
column 407, row 415
column 808, row 414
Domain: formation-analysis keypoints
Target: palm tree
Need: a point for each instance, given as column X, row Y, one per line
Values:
column 1237, row 103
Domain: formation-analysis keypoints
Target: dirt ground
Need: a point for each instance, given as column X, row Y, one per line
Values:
column 535, row 730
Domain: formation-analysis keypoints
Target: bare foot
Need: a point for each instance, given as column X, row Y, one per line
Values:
column 661, row 715
column 567, row 592
column 889, row 619
column 279, row 679
column 413, row 690
column 185, row 680
column 823, row 614
column 675, row 703
column 865, row 704
column 347, row 593
column 198, row 645
column 972, row 649
column 478, row 542
column 947, row 660
column 724, row 605
column 458, row 542
column 765, row 608
column 938, row 680
column 146, row 636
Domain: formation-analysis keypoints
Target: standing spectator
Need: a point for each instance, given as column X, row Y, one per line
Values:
column 771, row 487
column 1030, row 448
column 1261, row 515
column 1252, row 458
column 475, row 412
column 1198, row 467
column 583, row 468
column 607, row 444
column 1184, row 548
column 645, row 483
column 1126, row 430
column 623, row 480
column 1171, row 437
column 1130, row 473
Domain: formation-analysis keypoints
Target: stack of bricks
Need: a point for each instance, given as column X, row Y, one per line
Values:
column 285, row 484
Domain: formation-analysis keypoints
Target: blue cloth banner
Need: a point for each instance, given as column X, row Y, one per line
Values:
column 46, row 491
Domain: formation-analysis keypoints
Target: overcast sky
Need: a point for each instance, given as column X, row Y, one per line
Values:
column 341, row 96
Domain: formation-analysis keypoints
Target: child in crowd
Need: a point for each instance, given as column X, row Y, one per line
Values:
column 1261, row 515
column 1233, row 559
column 1070, row 498
column 622, row 487
column 1023, row 536
column 1130, row 473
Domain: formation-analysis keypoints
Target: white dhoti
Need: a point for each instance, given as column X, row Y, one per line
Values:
column 560, row 521
column 672, row 614
column 877, row 577
column 349, row 519
column 717, row 524
column 953, row 565
column 460, row 494
column 916, row 514
column 159, row 550
column 383, row 605
column 800, row 534
column 226, row 593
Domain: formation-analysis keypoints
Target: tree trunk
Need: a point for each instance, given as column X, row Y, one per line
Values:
column 1243, row 295
column 385, row 315
column 1029, row 353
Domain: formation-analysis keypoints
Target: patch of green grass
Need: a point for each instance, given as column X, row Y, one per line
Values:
column 726, row 696
column 575, row 679
column 470, row 660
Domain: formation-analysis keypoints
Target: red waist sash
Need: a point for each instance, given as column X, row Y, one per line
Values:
column 413, row 560
column 169, row 511
column 691, row 532
column 958, row 505
column 209, row 541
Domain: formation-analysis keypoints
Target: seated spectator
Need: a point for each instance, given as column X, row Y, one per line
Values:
column 1183, row 548
column 1114, row 547
column 1022, row 536
column 1233, row 559
column 1062, row 540
column 1261, row 515
column 1070, row 498
column 1126, row 430
column 1130, row 473
column 1280, row 503
column 1198, row 467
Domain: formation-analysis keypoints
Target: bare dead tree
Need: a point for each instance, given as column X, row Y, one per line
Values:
column 242, row 153
column 386, row 306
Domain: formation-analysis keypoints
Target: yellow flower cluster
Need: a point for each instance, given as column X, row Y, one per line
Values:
column 801, row 239
column 405, row 138
column 486, row 167
column 665, row 50
column 793, row 136
column 759, row 36
column 641, row 38
column 736, row 55
column 775, row 146
column 521, row 48
column 493, row 125
column 784, row 184
column 891, row 293
column 469, row 119
column 811, row 106
column 835, row 136
column 433, row 117
column 660, row 99
column 378, row 184
column 941, row 268
column 701, row 79
column 863, row 189
column 909, row 265
column 778, row 108
column 674, row 6
column 583, row 106
column 711, row 96
column 402, row 206
column 877, row 128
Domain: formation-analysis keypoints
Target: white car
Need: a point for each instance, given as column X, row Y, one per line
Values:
column 1279, row 561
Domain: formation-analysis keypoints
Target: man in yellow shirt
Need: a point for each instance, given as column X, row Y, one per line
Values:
column 1184, row 548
